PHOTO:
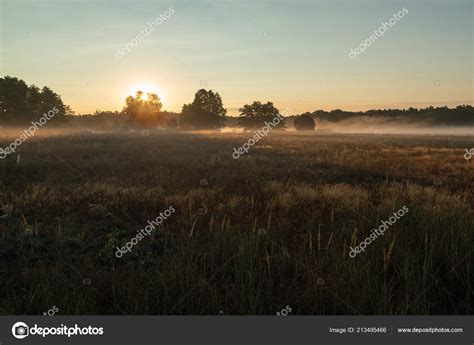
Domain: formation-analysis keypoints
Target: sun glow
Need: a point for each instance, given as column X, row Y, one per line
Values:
column 147, row 88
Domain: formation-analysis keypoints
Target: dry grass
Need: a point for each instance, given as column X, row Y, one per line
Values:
column 270, row 229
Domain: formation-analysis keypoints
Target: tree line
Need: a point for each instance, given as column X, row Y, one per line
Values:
column 204, row 112
column 20, row 103
column 460, row 115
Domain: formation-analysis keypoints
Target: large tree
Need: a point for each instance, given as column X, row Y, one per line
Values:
column 20, row 103
column 253, row 116
column 206, row 111
column 144, row 110
column 13, row 94
column 50, row 99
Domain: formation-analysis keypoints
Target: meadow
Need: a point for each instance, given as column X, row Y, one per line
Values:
column 250, row 236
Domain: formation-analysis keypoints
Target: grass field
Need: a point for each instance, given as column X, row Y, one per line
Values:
column 249, row 235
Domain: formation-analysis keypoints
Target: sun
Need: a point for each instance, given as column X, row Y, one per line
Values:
column 147, row 88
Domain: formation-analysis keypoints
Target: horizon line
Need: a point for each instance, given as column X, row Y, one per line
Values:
column 450, row 105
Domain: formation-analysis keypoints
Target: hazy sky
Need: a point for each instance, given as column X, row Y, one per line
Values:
column 293, row 53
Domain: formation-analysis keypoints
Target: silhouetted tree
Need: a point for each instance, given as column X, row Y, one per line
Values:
column 206, row 111
column 34, row 101
column 304, row 122
column 13, row 92
column 20, row 103
column 50, row 99
column 256, row 114
column 144, row 111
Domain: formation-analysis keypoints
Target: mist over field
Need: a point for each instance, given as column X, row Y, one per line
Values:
column 369, row 125
column 375, row 125
column 357, row 125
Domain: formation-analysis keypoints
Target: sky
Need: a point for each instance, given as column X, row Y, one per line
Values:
column 292, row 53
